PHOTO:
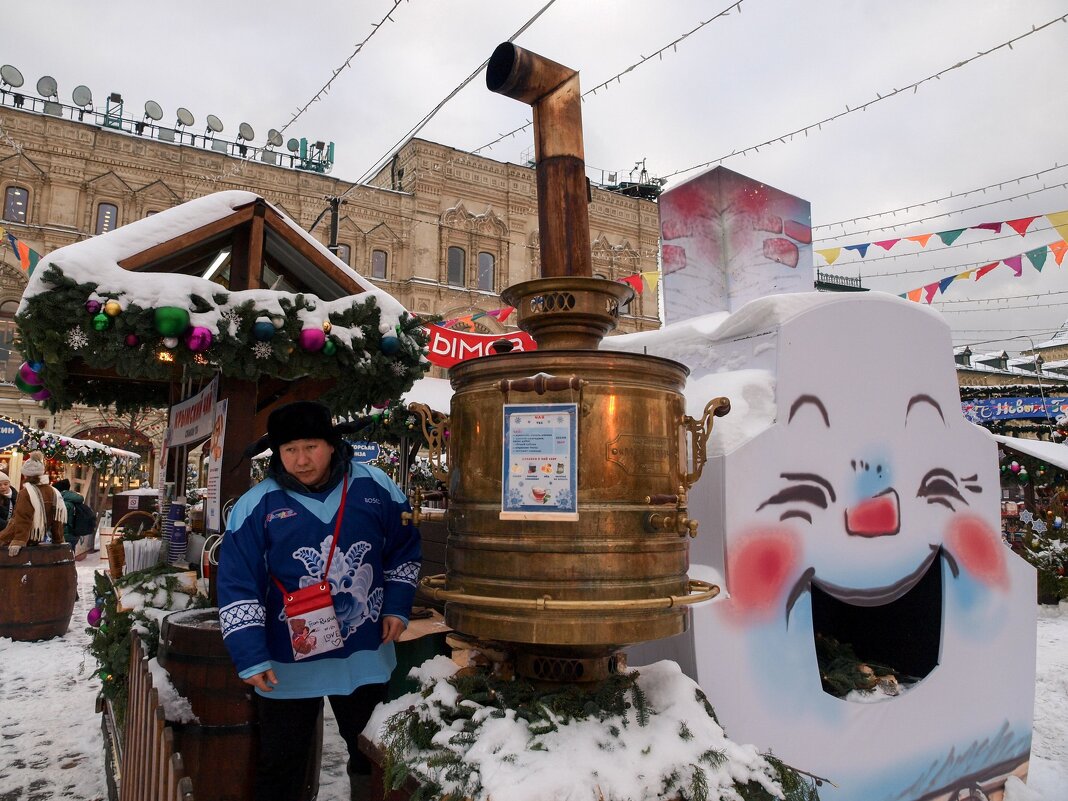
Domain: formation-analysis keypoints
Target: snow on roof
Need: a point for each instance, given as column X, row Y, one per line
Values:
column 96, row 260
column 434, row 392
column 92, row 444
column 1052, row 453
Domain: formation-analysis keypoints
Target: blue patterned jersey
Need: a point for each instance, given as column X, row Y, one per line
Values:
column 274, row 531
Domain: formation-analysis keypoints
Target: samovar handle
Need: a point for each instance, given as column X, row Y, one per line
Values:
column 699, row 431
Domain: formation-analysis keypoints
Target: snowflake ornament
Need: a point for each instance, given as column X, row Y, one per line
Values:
column 232, row 318
column 1026, row 516
column 77, row 338
column 398, row 368
column 1039, row 526
column 262, row 350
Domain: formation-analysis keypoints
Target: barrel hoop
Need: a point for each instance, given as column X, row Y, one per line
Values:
column 227, row 730
column 167, row 655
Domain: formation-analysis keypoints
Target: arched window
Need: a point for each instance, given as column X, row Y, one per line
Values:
column 486, row 264
column 10, row 358
column 456, row 266
column 379, row 263
column 16, row 204
column 107, row 218
column 344, row 252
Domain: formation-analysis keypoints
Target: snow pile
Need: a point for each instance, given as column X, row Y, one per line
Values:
column 665, row 742
column 176, row 707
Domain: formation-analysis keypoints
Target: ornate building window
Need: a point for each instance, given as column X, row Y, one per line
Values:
column 107, row 218
column 10, row 358
column 379, row 263
column 344, row 252
column 487, row 263
column 457, row 266
column 16, row 204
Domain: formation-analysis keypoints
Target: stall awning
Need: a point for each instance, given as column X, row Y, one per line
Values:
column 1052, row 453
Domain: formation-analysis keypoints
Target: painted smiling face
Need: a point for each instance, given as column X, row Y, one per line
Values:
column 868, row 511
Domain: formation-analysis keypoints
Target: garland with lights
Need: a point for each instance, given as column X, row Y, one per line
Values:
column 367, row 360
column 64, row 449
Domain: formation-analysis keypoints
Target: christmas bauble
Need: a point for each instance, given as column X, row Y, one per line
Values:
column 101, row 322
column 171, row 321
column 94, row 616
column 112, row 308
column 132, row 340
column 198, row 338
column 21, row 383
column 41, row 394
column 92, row 306
column 1058, row 522
column 37, row 366
column 1014, row 467
column 312, row 339
column 263, row 330
column 278, row 321
column 327, row 326
column 1023, row 476
column 170, row 342
column 390, row 345
column 29, row 375
column 329, row 347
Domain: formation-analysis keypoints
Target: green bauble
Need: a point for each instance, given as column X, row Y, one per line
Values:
column 101, row 322
column 25, row 386
column 171, row 321
column 330, row 347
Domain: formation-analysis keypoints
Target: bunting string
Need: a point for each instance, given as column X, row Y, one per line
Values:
column 27, row 256
column 781, row 139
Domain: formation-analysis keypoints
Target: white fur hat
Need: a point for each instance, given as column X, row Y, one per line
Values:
column 32, row 468
column 4, row 476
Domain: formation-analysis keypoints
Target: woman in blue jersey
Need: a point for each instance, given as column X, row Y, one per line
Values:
column 316, row 578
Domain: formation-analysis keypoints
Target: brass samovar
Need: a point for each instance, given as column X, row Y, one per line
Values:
column 564, row 594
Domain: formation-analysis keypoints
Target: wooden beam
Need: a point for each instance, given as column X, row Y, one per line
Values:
column 172, row 247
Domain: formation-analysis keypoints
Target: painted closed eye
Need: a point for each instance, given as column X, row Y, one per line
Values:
column 940, row 486
column 807, row 489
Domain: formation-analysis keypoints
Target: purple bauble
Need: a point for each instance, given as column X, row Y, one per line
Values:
column 312, row 339
column 29, row 375
column 41, row 394
column 198, row 339
column 94, row 616
column 132, row 340
column 93, row 306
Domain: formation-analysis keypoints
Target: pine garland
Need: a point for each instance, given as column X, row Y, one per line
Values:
column 55, row 329
column 64, row 449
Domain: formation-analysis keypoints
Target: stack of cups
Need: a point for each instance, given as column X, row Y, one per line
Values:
column 174, row 532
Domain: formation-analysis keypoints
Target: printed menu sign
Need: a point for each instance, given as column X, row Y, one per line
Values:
column 540, row 463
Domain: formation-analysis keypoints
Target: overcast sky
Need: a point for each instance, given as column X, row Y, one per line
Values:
column 741, row 80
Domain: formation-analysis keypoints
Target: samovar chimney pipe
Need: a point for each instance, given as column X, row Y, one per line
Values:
column 553, row 91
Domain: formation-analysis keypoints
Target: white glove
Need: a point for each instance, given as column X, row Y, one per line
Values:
column 13, row 550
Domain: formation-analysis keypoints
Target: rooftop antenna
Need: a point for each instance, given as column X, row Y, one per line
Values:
column 293, row 145
column 274, row 138
column 83, row 98
column 244, row 134
column 152, row 112
column 11, row 77
column 185, row 119
column 214, row 126
column 49, row 90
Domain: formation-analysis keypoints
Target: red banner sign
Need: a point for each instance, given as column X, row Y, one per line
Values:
column 447, row 347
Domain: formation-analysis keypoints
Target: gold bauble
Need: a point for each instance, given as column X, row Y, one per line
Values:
column 112, row 308
column 326, row 326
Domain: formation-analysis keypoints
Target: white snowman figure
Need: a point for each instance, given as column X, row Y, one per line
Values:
column 849, row 501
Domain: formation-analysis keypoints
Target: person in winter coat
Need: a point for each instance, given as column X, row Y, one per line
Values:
column 39, row 511
column 8, row 496
column 70, row 497
column 324, row 523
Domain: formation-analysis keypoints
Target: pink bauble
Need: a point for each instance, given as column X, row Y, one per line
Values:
column 93, row 618
column 41, row 394
column 312, row 339
column 93, row 306
column 29, row 375
column 1015, row 467
column 132, row 340
column 198, row 339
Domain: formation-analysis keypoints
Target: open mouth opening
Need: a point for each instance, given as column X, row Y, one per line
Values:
column 864, row 636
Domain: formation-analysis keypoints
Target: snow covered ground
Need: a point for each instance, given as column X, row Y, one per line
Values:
column 50, row 742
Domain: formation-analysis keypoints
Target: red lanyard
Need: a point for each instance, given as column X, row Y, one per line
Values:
column 337, row 530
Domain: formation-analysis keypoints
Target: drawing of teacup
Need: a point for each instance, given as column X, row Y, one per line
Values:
column 540, row 494
column 532, row 468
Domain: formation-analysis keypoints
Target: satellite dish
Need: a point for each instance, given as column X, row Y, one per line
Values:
column 214, row 124
column 11, row 76
column 46, row 87
column 274, row 138
column 293, row 145
column 244, row 131
column 153, row 110
column 185, row 117
column 83, row 96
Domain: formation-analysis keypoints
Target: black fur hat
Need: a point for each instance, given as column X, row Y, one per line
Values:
column 300, row 420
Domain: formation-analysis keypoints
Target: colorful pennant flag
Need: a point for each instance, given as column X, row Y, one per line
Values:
column 1059, row 220
column 949, row 237
column 922, row 239
column 914, row 295
column 966, row 274
column 634, row 282
column 991, row 226
column 886, row 244
column 1016, row 263
column 1037, row 257
column 930, row 291
column 1021, row 225
column 830, row 255
column 984, row 270
column 652, row 278
column 945, row 282
column 1058, row 249
column 861, row 249
column 505, row 314
column 27, row 256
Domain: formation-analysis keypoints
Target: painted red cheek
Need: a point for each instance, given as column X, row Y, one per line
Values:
column 978, row 549
column 758, row 569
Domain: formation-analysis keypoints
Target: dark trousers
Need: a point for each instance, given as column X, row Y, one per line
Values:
column 287, row 732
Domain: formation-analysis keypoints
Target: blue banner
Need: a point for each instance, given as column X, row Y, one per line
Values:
column 987, row 409
column 365, row 452
column 11, row 434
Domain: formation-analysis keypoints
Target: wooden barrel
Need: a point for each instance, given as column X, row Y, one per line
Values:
column 37, row 592
column 220, row 752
